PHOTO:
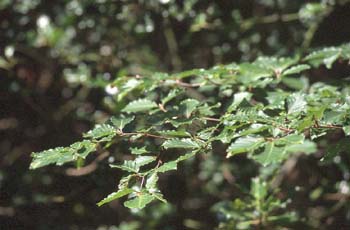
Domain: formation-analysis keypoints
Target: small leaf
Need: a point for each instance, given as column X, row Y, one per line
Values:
column 138, row 151
column 151, row 183
column 296, row 69
column 171, row 95
column 238, row 98
column 101, row 132
column 141, row 105
column 290, row 139
column 140, row 201
column 61, row 155
column 271, row 154
column 172, row 165
column 259, row 189
column 144, row 160
column 188, row 106
column 185, row 143
column 296, row 103
column 124, row 182
column 115, row 195
column 174, row 133
column 306, row 147
column 325, row 56
column 129, row 166
column 134, row 166
column 346, row 130
column 121, row 122
column 168, row 166
column 244, row 144
column 159, row 196
column 56, row 156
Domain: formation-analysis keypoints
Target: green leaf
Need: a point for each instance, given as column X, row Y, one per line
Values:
column 271, row 154
column 144, row 160
column 151, row 183
column 134, row 166
column 83, row 148
column 306, row 147
column 244, row 144
column 297, row 83
column 61, row 155
column 296, row 69
column 296, row 103
column 185, row 143
column 159, row 196
column 171, row 95
column 168, row 166
column 250, row 73
column 129, row 166
column 101, row 132
column 188, row 106
column 140, row 105
column 121, row 122
column 115, row 195
column 56, row 156
column 237, row 99
column 290, row 139
column 325, row 56
column 174, row 133
column 259, row 189
column 124, row 182
column 172, row 165
column 138, row 151
column 346, row 130
column 140, row 201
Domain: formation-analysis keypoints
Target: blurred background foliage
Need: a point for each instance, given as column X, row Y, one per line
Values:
column 56, row 59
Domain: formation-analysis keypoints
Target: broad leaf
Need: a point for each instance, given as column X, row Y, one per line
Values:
column 296, row 103
column 138, row 151
column 296, row 69
column 121, row 122
column 151, row 183
column 346, row 130
column 101, row 132
column 115, row 195
column 271, row 154
column 185, row 143
column 168, row 166
column 188, row 106
column 140, row 201
column 61, row 155
column 141, row 105
column 244, row 144
column 134, row 166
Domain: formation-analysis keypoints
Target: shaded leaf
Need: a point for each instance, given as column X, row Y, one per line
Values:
column 271, row 154
column 244, row 144
column 115, row 195
column 140, row 105
column 140, row 201
column 138, row 151
column 61, row 155
column 121, row 122
column 296, row 69
column 134, row 166
column 185, row 143
column 188, row 106
column 151, row 183
column 296, row 103
column 101, row 132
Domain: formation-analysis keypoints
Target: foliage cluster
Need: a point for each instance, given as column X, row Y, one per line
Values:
column 265, row 109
